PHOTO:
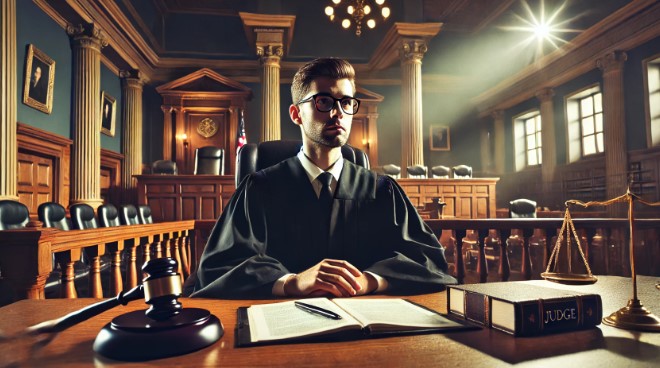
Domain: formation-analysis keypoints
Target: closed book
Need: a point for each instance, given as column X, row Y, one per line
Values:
column 524, row 309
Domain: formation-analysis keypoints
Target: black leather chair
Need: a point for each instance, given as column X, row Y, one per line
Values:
column 128, row 215
column 108, row 215
column 209, row 160
column 254, row 157
column 164, row 167
column 83, row 217
column 462, row 171
column 13, row 215
column 392, row 170
column 144, row 215
column 440, row 171
column 522, row 208
column 417, row 172
column 53, row 214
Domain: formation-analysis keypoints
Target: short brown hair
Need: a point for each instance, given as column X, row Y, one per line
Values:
column 323, row 67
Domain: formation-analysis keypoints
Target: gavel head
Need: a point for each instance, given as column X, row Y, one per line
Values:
column 162, row 288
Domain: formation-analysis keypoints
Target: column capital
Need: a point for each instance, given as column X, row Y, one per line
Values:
column 166, row 109
column 87, row 35
column 545, row 94
column 270, row 54
column 612, row 61
column 133, row 75
column 497, row 115
column 413, row 50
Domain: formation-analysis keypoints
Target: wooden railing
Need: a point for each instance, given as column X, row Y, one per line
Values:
column 531, row 240
column 26, row 255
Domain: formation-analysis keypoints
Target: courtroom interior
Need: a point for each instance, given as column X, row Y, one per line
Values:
column 126, row 127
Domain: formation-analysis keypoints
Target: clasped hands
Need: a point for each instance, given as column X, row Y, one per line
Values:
column 331, row 277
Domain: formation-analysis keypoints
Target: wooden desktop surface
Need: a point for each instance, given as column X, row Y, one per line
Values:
column 603, row 346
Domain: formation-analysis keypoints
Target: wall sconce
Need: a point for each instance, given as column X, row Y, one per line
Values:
column 365, row 142
column 184, row 138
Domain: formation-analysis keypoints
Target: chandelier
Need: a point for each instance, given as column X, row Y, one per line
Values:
column 355, row 12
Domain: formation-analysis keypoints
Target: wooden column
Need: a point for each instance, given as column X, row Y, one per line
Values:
column 412, row 136
column 167, row 132
column 269, row 58
column 548, row 143
column 131, row 145
column 86, row 42
column 179, row 147
column 8, row 102
column 500, row 160
column 614, row 128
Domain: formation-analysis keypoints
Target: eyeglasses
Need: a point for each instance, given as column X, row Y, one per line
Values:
column 324, row 103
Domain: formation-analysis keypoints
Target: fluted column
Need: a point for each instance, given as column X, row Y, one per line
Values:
column 269, row 57
column 131, row 145
column 412, row 136
column 499, row 139
column 8, row 102
column 614, row 127
column 86, row 42
column 167, row 132
column 548, row 143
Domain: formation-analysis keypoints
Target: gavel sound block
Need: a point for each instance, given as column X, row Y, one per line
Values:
column 165, row 329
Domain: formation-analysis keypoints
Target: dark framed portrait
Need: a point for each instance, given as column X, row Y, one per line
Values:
column 39, row 80
column 108, row 114
column 439, row 138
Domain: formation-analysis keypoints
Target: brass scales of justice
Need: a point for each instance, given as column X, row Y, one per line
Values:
column 633, row 316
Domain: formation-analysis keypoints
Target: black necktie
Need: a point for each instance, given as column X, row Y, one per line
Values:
column 325, row 201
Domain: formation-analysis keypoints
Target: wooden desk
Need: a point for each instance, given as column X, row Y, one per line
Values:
column 185, row 197
column 602, row 346
column 464, row 198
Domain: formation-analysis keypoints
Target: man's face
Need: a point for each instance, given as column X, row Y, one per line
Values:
column 330, row 128
column 37, row 74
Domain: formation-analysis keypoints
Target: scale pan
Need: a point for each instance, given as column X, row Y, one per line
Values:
column 569, row 278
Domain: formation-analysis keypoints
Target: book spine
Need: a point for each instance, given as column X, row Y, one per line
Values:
column 556, row 315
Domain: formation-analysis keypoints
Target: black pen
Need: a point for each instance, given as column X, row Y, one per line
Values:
column 317, row 310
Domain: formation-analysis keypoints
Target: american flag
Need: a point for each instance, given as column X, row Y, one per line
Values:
column 242, row 139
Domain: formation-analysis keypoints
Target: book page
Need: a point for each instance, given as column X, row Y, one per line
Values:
column 284, row 320
column 397, row 313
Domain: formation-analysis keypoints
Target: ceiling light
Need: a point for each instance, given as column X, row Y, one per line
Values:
column 357, row 11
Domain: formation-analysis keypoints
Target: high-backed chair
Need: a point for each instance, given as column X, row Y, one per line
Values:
column 462, row 171
column 392, row 170
column 164, row 167
column 83, row 217
column 108, row 215
column 522, row 208
column 209, row 160
column 53, row 214
column 13, row 215
column 417, row 172
column 144, row 215
column 254, row 157
column 440, row 171
column 128, row 215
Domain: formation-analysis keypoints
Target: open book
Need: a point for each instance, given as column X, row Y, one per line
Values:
column 284, row 322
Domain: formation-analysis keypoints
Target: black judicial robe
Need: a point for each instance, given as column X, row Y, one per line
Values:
column 271, row 227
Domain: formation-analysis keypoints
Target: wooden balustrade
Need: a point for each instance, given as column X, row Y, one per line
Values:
column 26, row 255
column 604, row 241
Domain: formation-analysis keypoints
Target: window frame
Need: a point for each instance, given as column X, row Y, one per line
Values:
column 520, row 135
column 653, row 61
column 573, row 123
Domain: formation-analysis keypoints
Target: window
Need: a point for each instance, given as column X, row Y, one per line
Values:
column 584, row 111
column 527, row 132
column 653, row 102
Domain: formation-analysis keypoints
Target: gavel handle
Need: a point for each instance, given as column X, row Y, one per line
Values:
column 62, row 323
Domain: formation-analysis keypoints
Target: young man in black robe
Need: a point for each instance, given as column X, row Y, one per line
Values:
column 284, row 234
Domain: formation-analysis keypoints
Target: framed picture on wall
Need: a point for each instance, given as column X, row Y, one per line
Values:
column 439, row 138
column 39, row 80
column 108, row 114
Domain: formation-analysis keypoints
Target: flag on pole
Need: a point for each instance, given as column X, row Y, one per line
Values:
column 242, row 139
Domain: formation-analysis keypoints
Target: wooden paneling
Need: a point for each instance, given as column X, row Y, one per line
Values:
column 464, row 198
column 185, row 197
column 35, row 179
column 111, row 178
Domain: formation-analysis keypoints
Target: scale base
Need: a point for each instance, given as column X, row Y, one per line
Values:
column 135, row 337
column 634, row 317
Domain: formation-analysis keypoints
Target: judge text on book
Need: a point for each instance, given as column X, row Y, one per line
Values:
column 284, row 232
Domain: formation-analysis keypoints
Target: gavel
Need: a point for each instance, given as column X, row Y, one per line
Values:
column 164, row 329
